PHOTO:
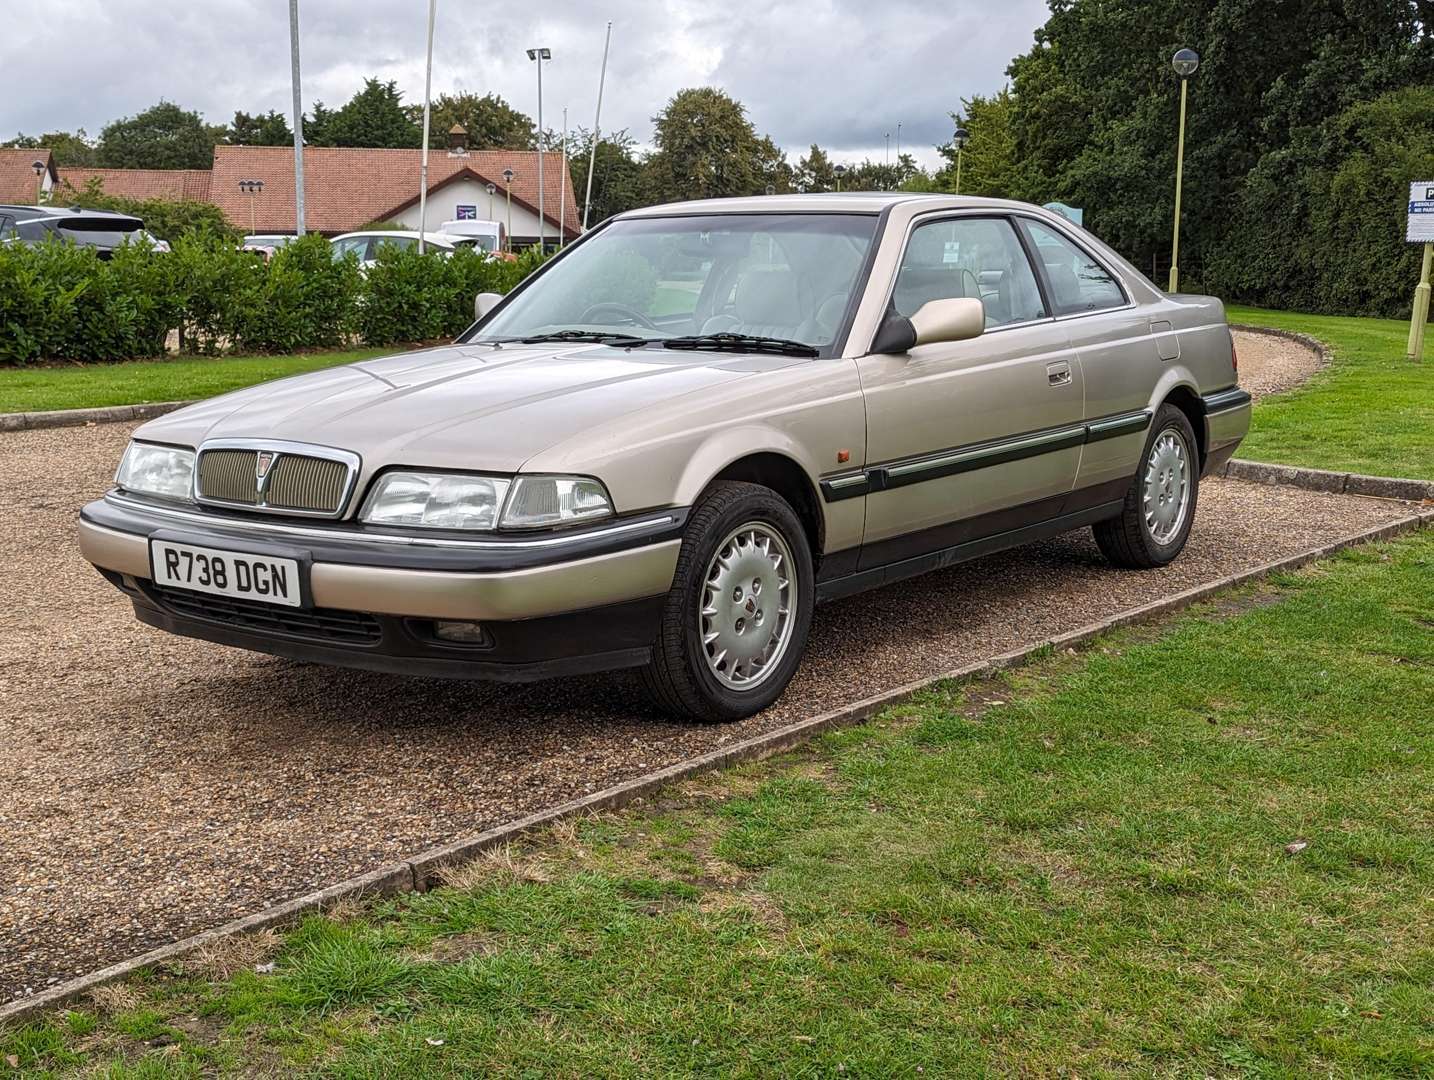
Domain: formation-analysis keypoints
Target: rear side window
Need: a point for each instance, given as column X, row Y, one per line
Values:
column 972, row 257
column 1077, row 282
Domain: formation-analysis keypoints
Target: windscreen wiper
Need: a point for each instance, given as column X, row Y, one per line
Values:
column 599, row 337
column 729, row 342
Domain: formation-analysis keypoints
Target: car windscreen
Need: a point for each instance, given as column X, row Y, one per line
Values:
column 787, row 276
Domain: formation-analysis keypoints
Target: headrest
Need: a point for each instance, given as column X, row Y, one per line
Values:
column 767, row 298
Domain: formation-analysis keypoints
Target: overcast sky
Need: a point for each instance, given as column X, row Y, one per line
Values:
column 841, row 73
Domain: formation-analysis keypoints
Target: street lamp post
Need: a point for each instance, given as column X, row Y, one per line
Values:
column 39, row 167
column 538, row 56
column 252, row 188
column 491, row 189
column 888, row 148
column 840, row 171
column 1184, row 62
column 960, row 139
column 508, row 184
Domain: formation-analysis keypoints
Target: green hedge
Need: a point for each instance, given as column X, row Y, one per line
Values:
column 60, row 302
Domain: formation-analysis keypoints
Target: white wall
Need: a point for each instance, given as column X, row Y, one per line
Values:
column 443, row 206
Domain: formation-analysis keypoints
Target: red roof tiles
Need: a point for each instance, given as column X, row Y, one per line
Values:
column 345, row 188
column 190, row 184
column 18, row 183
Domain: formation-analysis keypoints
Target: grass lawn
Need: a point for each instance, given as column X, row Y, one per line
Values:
column 1199, row 849
column 33, row 389
column 1371, row 412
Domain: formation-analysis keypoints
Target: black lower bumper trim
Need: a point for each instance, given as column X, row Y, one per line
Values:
column 526, row 650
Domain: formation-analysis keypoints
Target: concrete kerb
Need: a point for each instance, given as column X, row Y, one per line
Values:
column 110, row 414
column 1338, row 483
column 422, row 871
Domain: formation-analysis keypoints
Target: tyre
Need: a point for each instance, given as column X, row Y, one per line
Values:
column 1159, row 508
column 735, row 622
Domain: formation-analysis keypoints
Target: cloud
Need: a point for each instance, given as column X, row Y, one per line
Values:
column 839, row 72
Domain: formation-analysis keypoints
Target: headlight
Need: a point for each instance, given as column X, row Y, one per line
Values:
column 554, row 500
column 436, row 500
column 156, row 470
column 455, row 501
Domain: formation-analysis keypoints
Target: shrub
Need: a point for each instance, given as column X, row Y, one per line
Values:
column 305, row 301
column 59, row 301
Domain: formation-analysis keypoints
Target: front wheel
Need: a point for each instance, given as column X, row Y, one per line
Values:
column 735, row 623
column 1159, row 508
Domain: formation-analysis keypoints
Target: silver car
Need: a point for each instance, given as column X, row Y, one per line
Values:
column 686, row 430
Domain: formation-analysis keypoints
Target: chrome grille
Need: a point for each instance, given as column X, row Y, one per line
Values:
column 228, row 475
column 296, row 482
column 306, row 483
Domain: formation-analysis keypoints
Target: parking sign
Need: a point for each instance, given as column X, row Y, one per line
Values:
column 1421, row 212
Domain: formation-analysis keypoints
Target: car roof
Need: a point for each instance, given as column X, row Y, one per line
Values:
column 843, row 202
column 411, row 234
column 70, row 211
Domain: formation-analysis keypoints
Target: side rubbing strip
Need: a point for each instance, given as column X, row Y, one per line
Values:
column 981, row 456
column 1113, row 426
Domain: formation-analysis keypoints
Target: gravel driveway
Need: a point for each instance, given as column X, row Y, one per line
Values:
column 152, row 786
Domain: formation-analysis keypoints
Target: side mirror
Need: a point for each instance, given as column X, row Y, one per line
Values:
column 956, row 319
column 485, row 302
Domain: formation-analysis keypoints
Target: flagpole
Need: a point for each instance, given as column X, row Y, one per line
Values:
column 597, row 121
column 427, row 108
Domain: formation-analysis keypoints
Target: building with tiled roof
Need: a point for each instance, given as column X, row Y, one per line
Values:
column 346, row 188
column 190, row 184
column 18, row 182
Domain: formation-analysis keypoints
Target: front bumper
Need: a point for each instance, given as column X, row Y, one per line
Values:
column 584, row 600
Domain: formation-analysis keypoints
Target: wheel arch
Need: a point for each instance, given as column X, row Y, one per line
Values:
column 784, row 474
column 1180, row 390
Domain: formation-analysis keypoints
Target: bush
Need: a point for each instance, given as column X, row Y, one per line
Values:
column 306, row 300
column 60, row 301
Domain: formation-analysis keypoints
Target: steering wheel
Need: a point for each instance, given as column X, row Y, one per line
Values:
column 631, row 314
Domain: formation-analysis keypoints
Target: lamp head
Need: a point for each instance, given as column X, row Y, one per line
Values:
column 38, row 166
column 1185, row 62
column 508, row 175
column 960, row 138
column 540, row 54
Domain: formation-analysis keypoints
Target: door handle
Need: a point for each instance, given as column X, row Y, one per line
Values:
column 1058, row 374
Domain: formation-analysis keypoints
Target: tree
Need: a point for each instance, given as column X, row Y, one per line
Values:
column 164, row 136
column 491, row 123
column 988, row 163
column 261, row 129
column 1095, row 111
column 617, row 175
column 814, row 172
column 69, row 149
column 706, row 148
column 374, row 117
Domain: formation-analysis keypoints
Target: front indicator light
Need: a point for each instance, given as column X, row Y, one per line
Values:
column 539, row 501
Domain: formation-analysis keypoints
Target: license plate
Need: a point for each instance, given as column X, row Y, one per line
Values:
column 266, row 578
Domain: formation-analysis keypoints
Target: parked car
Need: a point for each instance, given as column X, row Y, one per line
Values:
column 102, row 230
column 685, row 430
column 485, row 235
column 365, row 245
column 265, row 245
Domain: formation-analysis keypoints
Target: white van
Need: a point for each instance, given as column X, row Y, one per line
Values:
column 486, row 235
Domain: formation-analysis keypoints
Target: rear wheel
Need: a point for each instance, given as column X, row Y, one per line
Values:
column 1159, row 508
column 735, row 623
